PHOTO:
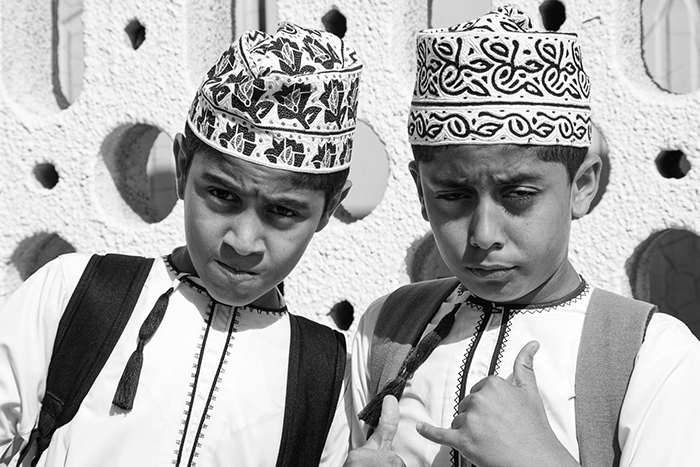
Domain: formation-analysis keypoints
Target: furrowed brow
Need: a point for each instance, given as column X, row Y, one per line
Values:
column 291, row 203
column 519, row 179
column 451, row 184
column 213, row 178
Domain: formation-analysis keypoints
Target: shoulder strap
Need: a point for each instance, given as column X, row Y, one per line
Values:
column 613, row 332
column 315, row 374
column 94, row 318
column 393, row 339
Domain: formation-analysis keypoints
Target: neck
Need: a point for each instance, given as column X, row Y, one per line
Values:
column 270, row 300
column 559, row 286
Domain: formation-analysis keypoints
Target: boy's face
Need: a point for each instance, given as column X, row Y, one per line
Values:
column 246, row 225
column 501, row 218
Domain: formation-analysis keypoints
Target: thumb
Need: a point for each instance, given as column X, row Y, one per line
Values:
column 383, row 436
column 524, row 367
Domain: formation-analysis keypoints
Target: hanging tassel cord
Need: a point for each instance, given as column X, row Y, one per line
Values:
column 129, row 381
column 416, row 357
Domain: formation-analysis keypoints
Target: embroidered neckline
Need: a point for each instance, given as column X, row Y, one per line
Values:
column 186, row 279
column 479, row 303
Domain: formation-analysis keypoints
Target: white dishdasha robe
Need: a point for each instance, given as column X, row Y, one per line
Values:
column 211, row 391
column 660, row 418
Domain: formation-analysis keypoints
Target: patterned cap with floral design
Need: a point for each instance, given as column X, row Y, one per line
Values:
column 287, row 101
column 495, row 80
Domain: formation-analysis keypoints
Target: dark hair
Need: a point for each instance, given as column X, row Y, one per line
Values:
column 331, row 184
column 570, row 156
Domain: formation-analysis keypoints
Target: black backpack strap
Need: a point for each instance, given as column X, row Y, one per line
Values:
column 317, row 359
column 90, row 327
column 402, row 319
column 612, row 334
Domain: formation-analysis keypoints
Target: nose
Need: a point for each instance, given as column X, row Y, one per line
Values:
column 245, row 233
column 485, row 228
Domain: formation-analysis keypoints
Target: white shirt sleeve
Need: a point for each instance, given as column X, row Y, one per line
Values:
column 337, row 444
column 360, row 370
column 660, row 417
column 28, row 323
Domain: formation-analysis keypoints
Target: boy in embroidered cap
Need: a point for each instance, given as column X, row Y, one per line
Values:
column 499, row 126
column 211, row 368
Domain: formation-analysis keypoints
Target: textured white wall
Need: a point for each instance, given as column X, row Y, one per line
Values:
column 91, row 142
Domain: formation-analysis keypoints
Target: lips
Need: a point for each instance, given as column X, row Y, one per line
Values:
column 491, row 271
column 236, row 271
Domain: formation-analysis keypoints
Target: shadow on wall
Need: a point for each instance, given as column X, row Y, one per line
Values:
column 34, row 252
column 665, row 270
column 423, row 261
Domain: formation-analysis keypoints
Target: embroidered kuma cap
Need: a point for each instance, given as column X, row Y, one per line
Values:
column 495, row 80
column 287, row 101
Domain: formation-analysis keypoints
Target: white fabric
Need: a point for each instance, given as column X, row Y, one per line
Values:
column 660, row 419
column 236, row 386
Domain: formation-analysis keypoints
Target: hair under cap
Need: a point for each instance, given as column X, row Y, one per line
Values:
column 495, row 80
column 287, row 101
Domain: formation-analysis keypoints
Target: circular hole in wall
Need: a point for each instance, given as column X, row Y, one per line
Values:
column 335, row 22
column 161, row 176
column 343, row 314
column 70, row 48
column 444, row 13
column 665, row 271
column 424, row 262
column 600, row 146
column 672, row 163
column 369, row 172
column 136, row 33
column 671, row 43
column 34, row 252
column 46, row 175
column 553, row 13
column 139, row 162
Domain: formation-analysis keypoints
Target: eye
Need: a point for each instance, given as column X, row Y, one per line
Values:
column 520, row 194
column 221, row 194
column 281, row 211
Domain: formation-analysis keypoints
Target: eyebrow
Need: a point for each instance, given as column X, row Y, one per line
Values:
column 519, row 179
column 515, row 179
column 291, row 203
column 284, row 200
column 212, row 178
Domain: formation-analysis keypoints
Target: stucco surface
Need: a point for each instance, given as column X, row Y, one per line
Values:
column 96, row 207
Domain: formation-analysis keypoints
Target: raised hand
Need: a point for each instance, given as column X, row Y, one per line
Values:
column 377, row 449
column 503, row 422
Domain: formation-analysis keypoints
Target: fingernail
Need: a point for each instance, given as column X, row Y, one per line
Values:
column 419, row 426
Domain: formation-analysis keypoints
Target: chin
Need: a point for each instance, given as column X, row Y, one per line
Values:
column 494, row 292
column 231, row 301
column 231, row 297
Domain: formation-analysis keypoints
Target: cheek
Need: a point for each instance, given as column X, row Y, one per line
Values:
column 548, row 240
column 287, row 247
column 450, row 238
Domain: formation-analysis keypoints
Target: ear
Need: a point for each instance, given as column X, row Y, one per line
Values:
column 585, row 185
column 414, row 168
column 333, row 205
column 180, row 164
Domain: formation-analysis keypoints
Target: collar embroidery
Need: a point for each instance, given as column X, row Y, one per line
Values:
column 186, row 279
column 485, row 305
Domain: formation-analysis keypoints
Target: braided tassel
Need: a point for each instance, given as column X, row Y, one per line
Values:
column 419, row 354
column 126, row 389
column 372, row 411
